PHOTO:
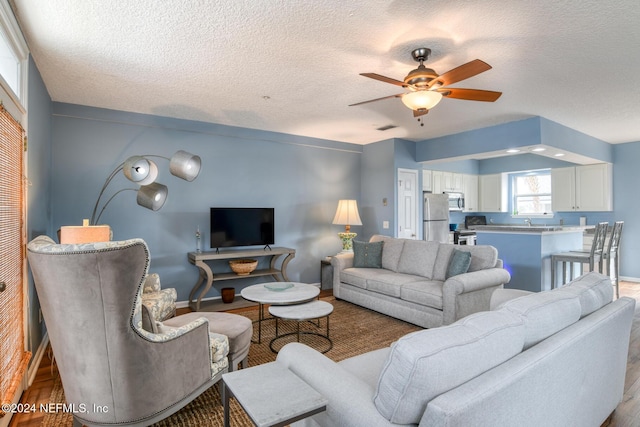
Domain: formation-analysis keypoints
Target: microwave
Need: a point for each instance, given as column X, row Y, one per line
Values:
column 456, row 201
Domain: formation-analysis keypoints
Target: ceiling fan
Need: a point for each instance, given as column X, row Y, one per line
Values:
column 426, row 87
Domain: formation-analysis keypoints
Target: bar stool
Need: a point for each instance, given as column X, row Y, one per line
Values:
column 610, row 254
column 592, row 257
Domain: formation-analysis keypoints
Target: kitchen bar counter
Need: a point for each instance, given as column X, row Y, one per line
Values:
column 526, row 250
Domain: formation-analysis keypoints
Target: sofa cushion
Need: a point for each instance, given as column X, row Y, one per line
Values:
column 544, row 314
column 418, row 257
column 390, row 252
column 423, row 292
column 358, row 276
column 459, row 263
column 593, row 290
column 389, row 283
column 425, row 364
column 367, row 254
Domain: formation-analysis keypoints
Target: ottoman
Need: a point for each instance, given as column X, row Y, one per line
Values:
column 238, row 330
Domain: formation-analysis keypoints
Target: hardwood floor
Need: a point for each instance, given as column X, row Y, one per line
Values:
column 626, row 415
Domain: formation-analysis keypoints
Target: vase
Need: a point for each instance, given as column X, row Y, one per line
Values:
column 227, row 295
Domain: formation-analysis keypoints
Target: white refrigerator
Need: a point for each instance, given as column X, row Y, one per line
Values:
column 436, row 217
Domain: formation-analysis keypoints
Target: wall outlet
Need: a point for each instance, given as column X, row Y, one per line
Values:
column 385, row 224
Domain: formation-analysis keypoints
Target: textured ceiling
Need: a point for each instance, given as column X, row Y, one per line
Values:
column 293, row 66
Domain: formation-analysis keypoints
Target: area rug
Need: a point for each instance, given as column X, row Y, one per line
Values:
column 354, row 330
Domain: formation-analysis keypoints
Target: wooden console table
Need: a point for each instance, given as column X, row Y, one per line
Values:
column 206, row 277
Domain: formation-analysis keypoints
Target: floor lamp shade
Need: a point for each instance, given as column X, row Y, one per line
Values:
column 140, row 170
column 152, row 196
column 185, row 165
column 144, row 172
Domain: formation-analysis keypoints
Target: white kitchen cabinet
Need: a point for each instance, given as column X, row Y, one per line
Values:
column 446, row 181
column 563, row 189
column 582, row 188
column 457, row 182
column 470, row 191
column 493, row 192
column 427, row 183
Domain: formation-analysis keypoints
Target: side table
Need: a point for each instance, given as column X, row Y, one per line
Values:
column 326, row 273
column 271, row 395
column 301, row 313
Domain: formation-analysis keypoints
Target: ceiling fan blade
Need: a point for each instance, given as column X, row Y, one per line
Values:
column 470, row 94
column 384, row 79
column 377, row 99
column 421, row 112
column 462, row 72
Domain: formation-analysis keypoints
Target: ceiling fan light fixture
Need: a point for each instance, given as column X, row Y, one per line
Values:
column 421, row 99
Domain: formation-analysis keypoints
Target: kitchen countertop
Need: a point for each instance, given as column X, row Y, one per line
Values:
column 515, row 228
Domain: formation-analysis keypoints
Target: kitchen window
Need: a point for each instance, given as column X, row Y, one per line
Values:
column 531, row 194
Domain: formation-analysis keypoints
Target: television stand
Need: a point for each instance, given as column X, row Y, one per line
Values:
column 206, row 277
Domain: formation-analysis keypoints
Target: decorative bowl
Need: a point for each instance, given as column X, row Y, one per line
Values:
column 278, row 286
column 243, row 267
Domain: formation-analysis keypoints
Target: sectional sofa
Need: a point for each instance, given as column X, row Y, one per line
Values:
column 555, row 358
column 415, row 281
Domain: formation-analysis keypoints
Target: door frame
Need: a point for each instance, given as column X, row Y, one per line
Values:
column 16, row 105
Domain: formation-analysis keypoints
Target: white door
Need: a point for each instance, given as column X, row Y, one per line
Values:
column 407, row 204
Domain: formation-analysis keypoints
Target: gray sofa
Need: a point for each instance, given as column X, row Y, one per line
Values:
column 412, row 283
column 556, row 358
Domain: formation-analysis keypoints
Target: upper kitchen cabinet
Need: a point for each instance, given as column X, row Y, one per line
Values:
column 470, row 191
column 493, row 192
column 582, row 188
column 446, row 181
column 427, row 183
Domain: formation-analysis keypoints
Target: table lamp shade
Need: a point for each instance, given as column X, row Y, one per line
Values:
column 347, row 213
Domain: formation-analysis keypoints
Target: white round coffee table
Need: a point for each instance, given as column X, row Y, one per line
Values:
column 278, row 293
column 301, row 313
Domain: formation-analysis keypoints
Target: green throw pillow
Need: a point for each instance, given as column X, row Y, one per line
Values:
column 459, row 263
column 367, row 255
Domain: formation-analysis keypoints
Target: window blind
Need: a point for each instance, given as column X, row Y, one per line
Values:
column 13, row 357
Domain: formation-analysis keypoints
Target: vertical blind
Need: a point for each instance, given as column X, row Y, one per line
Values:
column 13, row 357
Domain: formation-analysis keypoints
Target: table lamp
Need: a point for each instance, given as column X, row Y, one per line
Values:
column 347, row 215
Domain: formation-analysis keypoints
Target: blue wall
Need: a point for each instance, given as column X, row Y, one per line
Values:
column 509, row 135
column 378, row 183
column 39, row 190
column 626, row 204
column 302, row 178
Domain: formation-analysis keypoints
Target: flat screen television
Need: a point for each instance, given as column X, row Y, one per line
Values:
column 232, row 227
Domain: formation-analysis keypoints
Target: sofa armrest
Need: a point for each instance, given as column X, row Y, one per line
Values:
column 340, row 262
column 470, row 292
column 350, row 400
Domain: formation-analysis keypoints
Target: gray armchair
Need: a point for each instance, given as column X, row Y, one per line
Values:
column 112, row 370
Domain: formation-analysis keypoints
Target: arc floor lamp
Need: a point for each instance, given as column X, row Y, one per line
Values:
column 143, row 171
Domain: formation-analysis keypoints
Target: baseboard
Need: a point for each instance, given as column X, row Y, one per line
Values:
column 185, row 304
column 630, row 279
column 37, row 358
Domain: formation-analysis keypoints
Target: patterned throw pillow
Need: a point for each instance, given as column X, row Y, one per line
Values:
column 459, row 263
column 367, row 255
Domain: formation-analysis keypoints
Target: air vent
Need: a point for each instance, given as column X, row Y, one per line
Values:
column 387, row 127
